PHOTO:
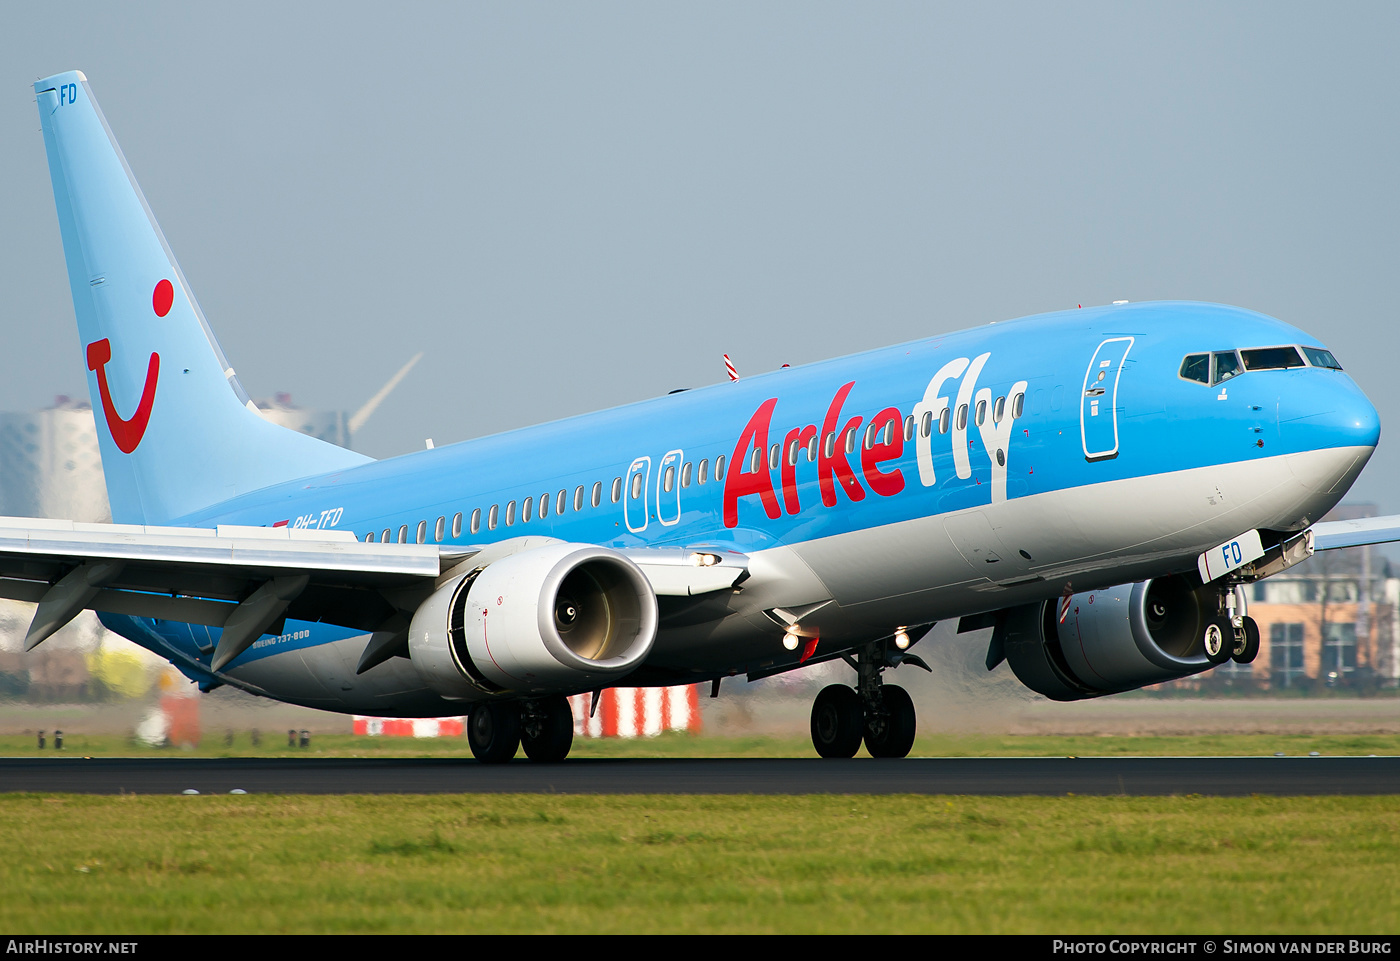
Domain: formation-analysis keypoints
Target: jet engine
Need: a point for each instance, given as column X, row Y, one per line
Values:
column 1113, row 640
column 555, row 619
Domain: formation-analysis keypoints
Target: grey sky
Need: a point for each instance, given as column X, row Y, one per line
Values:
column 572, row 206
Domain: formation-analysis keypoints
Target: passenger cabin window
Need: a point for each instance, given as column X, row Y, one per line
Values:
column 981, row 412
column 962, row 417
column 510, row 513
column 597, row 493
column 1321, row 358
column 1271, row 358
column 926, row 425
column 617, row 489
column 476, row 520
column 544, row 506
column 774, row 453
column 1018, row 406
column 440, row 529
column 909, row 427
column 704, row 474
column 493, row 516
column 403, row 534
column 562, row 501
column 719, row 468
column 457, row 525
column 944, row 420
column 578, row 498
column 421, row 535
column 527, row 510
column 851, row 441
column 668, row 479
column 998, row 410
column 685, row 474
column 636, row 486
column 369, row 538
column 385, row 537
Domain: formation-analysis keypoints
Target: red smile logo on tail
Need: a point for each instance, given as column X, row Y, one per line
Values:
column 128, row 432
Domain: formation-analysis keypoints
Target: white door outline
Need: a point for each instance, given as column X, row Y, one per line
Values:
column 634, row 509
column 1100, row 397
column 668, row 504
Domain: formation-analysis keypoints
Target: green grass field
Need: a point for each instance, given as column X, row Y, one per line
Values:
column 686, row 745
column 548, row 863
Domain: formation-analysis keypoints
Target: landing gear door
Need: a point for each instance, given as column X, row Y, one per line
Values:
column 1098, row 404
column 635, row 495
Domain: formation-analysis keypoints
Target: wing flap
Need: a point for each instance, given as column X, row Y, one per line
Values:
column 222, row 549
column 202, row 576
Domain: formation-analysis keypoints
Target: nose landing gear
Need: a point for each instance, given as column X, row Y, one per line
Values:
column 1232, row 635
column 1246, row 646
column 882, row 715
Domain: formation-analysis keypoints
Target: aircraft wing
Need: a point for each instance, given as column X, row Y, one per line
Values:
column 244, row 580
column 240, row 579
column 1330, row 535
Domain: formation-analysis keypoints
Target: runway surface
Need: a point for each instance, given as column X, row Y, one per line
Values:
column 1005, row 776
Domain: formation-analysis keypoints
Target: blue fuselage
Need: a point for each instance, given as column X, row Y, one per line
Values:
column 1025, row 411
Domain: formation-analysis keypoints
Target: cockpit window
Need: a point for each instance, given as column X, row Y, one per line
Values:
column 1211, row 368
column 1321, row 358
column 1196, row 367
column 1271, row 358
column 1227, row 365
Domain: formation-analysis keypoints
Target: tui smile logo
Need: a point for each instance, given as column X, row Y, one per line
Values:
column 127, row 432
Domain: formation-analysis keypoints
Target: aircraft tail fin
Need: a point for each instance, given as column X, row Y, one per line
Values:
column 176, row 429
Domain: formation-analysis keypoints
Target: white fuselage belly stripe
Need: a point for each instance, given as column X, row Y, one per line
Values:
column 914, row 570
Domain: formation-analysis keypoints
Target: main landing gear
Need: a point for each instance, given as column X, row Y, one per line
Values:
column 544, row 727
column 882, row 715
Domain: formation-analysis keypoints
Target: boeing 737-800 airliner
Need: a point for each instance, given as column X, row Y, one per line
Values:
column 1095, row 485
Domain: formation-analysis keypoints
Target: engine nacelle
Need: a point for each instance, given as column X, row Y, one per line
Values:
column 555, row 619
column 1112, row 640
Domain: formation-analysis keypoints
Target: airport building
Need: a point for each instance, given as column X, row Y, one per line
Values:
column 50, row 465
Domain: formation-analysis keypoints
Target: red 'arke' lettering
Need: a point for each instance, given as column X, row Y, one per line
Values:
column 834, row 468
column 741, row 483
column 789, row 473
column 886, row 485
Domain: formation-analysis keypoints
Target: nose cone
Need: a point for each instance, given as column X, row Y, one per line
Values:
column 1361, row 421
column 1330, row 430
column 1353, row 421
column 1329, row 411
